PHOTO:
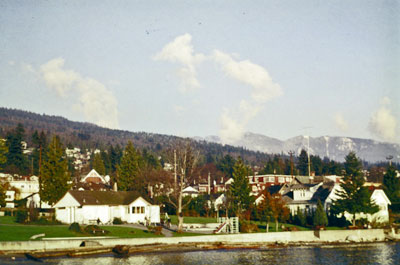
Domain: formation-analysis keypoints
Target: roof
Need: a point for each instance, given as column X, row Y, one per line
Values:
column 274, row 189
column 91, row 186
column 301, row 186
column 322, row 193
column 104, row 197
column 303, row 179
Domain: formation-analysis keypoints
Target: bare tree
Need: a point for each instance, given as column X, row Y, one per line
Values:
column 184, row 161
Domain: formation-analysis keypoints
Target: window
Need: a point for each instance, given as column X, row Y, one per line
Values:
column 138, row 209
column 271, row 179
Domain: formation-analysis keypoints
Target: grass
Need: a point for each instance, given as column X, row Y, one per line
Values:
column 24, row 232
column 12, row 231
column 7, row 220
column 262, row 226
column 193, row 220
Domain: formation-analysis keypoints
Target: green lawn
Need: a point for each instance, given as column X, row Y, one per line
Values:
column 7, row 220
column 262, row 226
column 24, row 232
column 193, row 220
column 10, row 231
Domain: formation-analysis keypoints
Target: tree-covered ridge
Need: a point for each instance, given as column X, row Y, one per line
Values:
column 89, row 136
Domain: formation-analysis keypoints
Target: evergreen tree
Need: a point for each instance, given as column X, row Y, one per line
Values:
column 391, row 184
column 39, row 141
column 128, row 170
column 226, row 165
column 16, row 161
column 302, row 164
column 98, row 164
column 2, row 195
column 107, row 162
column 316, row 165
column 54, row 175
column 320, row 218
column 240, row 189
column 354, row 197
column 300, row 218
column 3, row 153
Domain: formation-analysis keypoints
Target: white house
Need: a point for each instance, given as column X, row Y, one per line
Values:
column 94, row 177
column 190, row 191
column 87, row 207
column 378, row 196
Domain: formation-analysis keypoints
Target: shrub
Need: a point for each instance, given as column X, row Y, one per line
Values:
column 246, row 227
column 22, row 216
column 155, row 229
column 95, row 230
column 75, row 228
column 45, row 221
column 117, row 221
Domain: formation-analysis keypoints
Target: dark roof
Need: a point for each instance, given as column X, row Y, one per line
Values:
column 274, row 189
column 104, row 197
column 322, row 193
column 301, row 186
column 91, row 186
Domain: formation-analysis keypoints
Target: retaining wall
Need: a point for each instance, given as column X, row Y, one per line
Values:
column 280, row 237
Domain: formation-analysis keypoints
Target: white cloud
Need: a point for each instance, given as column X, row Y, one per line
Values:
column 231, row 129
column 262, row 89
column 180, row 50
column 260, row 85
column 341, row 123
column 382, row 123
column 95, row 101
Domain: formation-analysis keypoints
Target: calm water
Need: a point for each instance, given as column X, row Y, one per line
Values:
column 380, row 253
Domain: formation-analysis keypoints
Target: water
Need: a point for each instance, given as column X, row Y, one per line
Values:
column 379, row 253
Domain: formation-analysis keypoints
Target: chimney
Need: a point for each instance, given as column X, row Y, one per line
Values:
column 115, row 187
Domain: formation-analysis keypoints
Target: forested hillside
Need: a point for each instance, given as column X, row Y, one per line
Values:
column 87, row 135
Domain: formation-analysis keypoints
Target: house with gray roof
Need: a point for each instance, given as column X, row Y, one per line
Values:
column 89, row 207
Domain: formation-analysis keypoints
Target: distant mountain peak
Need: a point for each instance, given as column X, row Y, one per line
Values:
column 333, row 147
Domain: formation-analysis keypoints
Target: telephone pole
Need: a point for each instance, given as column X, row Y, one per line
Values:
column 291, row 153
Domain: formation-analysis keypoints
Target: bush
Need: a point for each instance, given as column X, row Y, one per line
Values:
column 22, row 216
column 44, row 221
column 155, row 229
column 95, row 230
column 74, row 227
column 246, row 227
column 117, row 221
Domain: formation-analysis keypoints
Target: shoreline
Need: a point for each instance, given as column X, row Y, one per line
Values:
column 96, row 246
column 174, row 248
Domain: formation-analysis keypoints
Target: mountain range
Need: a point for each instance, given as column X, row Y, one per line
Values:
column 251, row 147
column 333, row 147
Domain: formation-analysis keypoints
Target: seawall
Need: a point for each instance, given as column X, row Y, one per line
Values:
column 330, row 236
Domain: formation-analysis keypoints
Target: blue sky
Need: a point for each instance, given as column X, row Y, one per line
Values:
column 198, row 68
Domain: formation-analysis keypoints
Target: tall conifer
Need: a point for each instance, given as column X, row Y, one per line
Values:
column 128, row 170
column 54, row 175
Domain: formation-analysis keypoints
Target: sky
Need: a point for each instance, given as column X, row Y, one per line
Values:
column 199, row 68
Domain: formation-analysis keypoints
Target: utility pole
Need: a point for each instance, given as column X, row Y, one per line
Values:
column 308, row 154
column 175, row 175
column 389, row 158
column 291, row 153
